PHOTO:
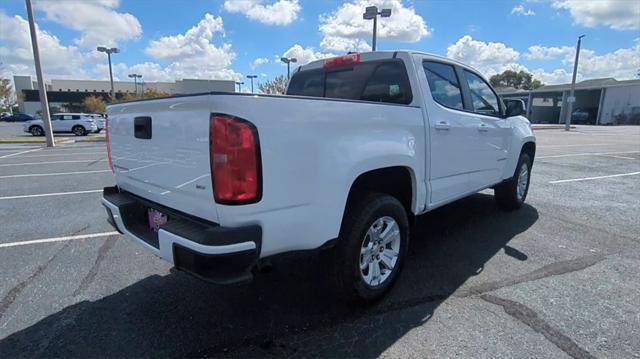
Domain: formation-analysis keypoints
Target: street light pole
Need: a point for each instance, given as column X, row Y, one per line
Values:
column 372, row 13
column 135, row 81
column 572, row 98
column 42, row 88
column 109, row 51
column 252, row 77
column 288, row 61
column 239, row 83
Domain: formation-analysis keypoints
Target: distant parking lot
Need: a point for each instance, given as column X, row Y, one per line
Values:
column 14, row 129
column 558, row 278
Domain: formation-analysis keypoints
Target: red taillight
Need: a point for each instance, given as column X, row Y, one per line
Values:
column 106, row 138
column 341, row 61
column 235, row 160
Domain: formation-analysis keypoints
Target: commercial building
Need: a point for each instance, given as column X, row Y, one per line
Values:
column 69, row 95
column 605, row 101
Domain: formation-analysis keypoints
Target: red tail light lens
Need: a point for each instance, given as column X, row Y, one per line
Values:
column 235, row 160
column 106, row 138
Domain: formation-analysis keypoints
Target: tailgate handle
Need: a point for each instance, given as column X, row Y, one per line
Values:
column 142, row 127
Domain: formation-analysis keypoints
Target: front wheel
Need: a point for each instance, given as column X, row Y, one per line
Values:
column 511, row 194
column 79, row 131
column 372, row 247
column 36, row 131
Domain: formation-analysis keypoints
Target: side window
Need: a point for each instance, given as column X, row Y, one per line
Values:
column 389, row 83
column 443, row 84
column 483, row 99
column 75, row 117
column 66, row 117
column 55, row 117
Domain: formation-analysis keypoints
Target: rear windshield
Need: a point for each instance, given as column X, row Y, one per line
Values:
column 376, row 81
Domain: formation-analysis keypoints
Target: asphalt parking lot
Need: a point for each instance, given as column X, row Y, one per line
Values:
column 558, row 278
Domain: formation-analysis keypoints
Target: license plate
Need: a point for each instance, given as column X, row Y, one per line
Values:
column 156, row 219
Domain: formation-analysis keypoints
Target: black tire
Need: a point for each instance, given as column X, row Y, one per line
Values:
column 359, row 218
column 506, row 193
column 79, row 131
column 36, row 131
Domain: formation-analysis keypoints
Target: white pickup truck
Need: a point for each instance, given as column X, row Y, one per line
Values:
column 216, row 183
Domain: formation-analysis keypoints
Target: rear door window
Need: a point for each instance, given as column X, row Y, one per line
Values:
column 443, row 84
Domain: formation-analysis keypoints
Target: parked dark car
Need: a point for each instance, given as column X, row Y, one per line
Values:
column 585, row 116
column 20, row 117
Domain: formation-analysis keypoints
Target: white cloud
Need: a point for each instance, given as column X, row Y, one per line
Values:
column 281, row 12
column 522, row 11
column 305, row 55
column 58, row 61
column 538, row 52
column 345, row 29
column 616, row 14
column 259, row 61
column 488, row 57
column 97, row 21
column 344, row 44
column 193, row 54
column 494, row 57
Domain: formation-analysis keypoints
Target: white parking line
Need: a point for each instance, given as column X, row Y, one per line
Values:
column 19, row 153
column 587, row 154
column 57, row 239
column 581, row 145
column 50, row 194
column 48, row 163
column 66, row 154
column 53, row 174
column 595, row 178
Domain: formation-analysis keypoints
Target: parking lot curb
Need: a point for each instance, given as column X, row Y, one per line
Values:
column 549, row 127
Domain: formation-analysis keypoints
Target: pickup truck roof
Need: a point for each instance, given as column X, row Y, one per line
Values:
column 387, row 54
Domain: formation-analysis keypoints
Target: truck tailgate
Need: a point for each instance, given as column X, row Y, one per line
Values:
column 160, row 151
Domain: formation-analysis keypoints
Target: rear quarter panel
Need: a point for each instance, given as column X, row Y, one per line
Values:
column 312, row 151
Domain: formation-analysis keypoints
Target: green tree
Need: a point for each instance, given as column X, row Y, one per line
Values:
column 277, row 86
column 94, row 104
column 6, row 94
column 518, row 80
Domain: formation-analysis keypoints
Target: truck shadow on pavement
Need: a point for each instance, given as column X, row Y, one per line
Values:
column 290, row 311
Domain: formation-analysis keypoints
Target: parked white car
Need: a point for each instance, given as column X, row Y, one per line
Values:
column 100, row 120
column 216, row 183
column 79, row 124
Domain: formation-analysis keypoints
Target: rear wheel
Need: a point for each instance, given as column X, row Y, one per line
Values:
column 79, row 131
column 36, row 131
column 372, row 247
column 511, row 194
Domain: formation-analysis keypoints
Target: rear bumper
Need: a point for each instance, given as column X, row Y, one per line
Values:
column 216, row 254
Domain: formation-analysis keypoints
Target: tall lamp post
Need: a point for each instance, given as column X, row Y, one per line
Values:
column 42, row 88
column 135, row 80
column 239, row 83
column 109, row 51
column 288, row 61
column 252, row 77
column 371, row 13
column 572, row 97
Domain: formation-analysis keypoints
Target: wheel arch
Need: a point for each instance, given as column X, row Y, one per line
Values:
column 396, row 181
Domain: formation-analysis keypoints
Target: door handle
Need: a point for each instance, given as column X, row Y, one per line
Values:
column 442, row 125
column 483, row 127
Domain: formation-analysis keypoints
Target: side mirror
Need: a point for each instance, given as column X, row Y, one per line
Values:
column 515, row 108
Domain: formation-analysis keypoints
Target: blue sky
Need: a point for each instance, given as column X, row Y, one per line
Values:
column 172, row 39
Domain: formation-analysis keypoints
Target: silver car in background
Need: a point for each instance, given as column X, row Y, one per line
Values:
column 80, row 124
